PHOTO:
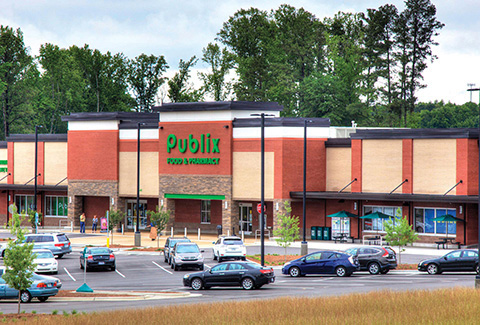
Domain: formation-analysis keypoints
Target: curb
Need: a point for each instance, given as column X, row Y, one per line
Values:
column 128, row 296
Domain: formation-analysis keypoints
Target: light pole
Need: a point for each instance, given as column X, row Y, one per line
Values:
column 138, row 237
column 262, row 187
column 304, row 245
column 477, row 277
column 36, row 175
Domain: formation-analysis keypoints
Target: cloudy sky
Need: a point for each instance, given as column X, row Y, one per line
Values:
column 180, row 29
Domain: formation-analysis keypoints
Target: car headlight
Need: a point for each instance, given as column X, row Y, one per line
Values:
column 186, row 276
column 287, row 263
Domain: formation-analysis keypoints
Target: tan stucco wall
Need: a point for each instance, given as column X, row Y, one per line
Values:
column 339, row 168
column 434, row 165
column 24, row 162
column 55, row 163
column 3, row 156
column 381, row 165
column 246, row 175
column 148, row 174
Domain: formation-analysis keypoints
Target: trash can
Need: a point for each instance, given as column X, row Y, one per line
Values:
column 314, row 233
column 319, row 233
column 327, row 233
column 219, row 230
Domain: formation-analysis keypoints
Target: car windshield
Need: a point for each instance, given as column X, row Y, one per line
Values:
column 99, row 250
column 44, row 254
column 352, row 251
column 233, row 242
column 187, row 249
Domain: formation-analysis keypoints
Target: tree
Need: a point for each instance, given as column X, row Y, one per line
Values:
column 32, row 218
column 18, row 258
column 220, row 62
column 114, row 218
column 145, row 76
column 288, row 229
column 399, row 233
column 159, row 220
column 179, row 88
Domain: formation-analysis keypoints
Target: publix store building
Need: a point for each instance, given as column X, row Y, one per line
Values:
column 202, row 161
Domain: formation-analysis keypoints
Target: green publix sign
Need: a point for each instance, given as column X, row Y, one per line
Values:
column 204, row 145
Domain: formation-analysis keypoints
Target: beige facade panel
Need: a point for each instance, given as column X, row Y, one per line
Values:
column 55, row 163
column 339, row 168
column 246, row 175
column 148, row 174
column 4, row 157
column 24, row 162
column 434, row 166
column 382, row 168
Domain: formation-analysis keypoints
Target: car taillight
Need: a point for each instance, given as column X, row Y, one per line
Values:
column 112, row 256
column 58, row 245
column 386, row 253
column 265, row 271
column 351, row 260
column 90, row 258
column 41, row 285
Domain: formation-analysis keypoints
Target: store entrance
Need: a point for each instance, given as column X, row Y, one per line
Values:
column 245, row 218
column 131, row 214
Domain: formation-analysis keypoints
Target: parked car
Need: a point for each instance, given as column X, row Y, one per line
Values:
column 42, row 288
column 169, row 243
column 248, row 275
column 97, row 257
column 58, row 243
column 457, row 261
column 45, row 261
column 186, row 254
column 229, row 247
column 322, row 262
column 375, row 259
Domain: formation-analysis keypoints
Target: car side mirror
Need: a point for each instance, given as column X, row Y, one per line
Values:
column 445, row 258
column 304, row 260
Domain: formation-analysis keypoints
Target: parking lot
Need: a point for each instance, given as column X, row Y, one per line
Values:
column 147, row 271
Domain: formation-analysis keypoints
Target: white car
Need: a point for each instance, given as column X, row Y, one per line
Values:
column 227, row 247
column 45, row 261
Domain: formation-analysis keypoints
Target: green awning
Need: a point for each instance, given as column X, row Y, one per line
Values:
column 194, row 196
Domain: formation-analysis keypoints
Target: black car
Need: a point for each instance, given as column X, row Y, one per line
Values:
column 169, row 243
column 457, row 261
column 248, row 275
column 97, row 257
column 375, row 259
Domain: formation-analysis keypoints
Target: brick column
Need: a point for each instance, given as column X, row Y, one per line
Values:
column 169, row 204
column 230, row 217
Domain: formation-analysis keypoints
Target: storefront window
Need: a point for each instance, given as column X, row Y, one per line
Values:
column 205, row 213
column 379, row 224
column 24, row 203
column 424, row 222
column 56, row 206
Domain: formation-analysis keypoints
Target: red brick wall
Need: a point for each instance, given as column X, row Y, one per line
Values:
column 95, row 205
column 189, row 211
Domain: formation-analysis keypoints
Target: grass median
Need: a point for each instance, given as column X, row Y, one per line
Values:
column 444, row 306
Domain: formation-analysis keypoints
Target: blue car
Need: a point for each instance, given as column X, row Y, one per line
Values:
column 41, row 288
column 322, row 262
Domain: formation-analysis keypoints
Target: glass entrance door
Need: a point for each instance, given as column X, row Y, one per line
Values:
column 245, row 219
column 131, row 214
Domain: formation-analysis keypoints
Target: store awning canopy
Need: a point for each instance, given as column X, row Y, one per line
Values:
column 376, row 215
column 342, row 214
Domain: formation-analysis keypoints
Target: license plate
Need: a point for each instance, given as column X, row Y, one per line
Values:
column 49, row 285
column 101, row 263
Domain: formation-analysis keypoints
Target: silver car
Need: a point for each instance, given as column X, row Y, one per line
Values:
column 186, row 254
column 57, row 243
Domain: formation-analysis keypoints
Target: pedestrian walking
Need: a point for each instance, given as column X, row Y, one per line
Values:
column 94, row 224
column 82, row 223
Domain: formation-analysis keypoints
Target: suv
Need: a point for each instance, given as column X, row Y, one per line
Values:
column 229, row 247
column 375, row 259
column 169, row 243
column 186, row 254
column 58, row 243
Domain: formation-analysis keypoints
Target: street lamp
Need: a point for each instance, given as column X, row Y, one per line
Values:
column 262, row 190
column 304, row 245
column 138, row 237
column 36, row 175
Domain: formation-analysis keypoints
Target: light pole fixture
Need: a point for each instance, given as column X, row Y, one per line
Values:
column 138, row 236
column 477, row 277
column 262, row 190
column 304, row 244
column 36, row 175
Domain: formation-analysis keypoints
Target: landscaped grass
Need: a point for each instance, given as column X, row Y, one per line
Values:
column 445, row 306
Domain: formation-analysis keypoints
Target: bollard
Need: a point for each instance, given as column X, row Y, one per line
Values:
column 243, row 236
column 108, row 242
column 228, row 232
column 198, row 233
column 185, row 232
column 123, row 229
column 71, row 226
column 171, row 232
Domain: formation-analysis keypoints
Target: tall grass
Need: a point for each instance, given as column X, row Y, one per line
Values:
column 445, row 306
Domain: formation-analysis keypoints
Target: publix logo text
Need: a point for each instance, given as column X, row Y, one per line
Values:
column 205, row 145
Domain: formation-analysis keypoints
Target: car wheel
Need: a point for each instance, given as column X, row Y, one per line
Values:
column 42, row 299
column 113, row 268
column 175, row 267
column 55, row 272
column 247, row 283
column 60, row 255
column 374, row 268
column 214, row 256
column 200, row 267
column 294, row 271
column 385, row 271
column 171, row 266
column 196, row 284
column 432, row 268
column 341, row 271
column 165, row 258
column 25, row 296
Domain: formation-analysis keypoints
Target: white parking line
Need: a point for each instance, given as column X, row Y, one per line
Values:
column 162, row 267
column 120, row 273
column 69, row 274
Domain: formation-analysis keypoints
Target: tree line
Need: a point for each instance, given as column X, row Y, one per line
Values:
column 365, row 66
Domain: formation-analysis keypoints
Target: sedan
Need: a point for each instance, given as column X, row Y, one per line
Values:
column 45, row 261
column 322, row 262
column 457, row 261
column 42, row 288
column 248, row 275
column 97, row 257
